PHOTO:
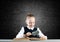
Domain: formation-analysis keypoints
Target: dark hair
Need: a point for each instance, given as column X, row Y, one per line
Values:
column 30, row 15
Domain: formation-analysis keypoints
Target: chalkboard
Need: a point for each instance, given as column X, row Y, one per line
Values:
column 13, row 15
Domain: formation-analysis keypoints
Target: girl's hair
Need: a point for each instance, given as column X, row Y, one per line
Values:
column 30, row 15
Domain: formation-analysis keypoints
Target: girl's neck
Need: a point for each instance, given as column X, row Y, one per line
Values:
column 29, row 26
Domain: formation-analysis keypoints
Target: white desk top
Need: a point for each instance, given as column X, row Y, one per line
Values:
column 49, row 40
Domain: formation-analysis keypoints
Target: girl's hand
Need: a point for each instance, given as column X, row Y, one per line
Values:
column 28, row 34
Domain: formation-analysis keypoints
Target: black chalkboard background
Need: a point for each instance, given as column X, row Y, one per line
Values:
column 13, row 13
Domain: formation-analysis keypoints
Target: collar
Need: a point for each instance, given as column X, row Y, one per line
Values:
column 30, row 28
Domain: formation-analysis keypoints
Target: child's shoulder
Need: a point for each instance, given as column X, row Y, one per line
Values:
column 36, row 27
column 24, row 27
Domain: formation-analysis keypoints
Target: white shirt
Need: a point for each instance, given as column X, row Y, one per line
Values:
column 21, row 33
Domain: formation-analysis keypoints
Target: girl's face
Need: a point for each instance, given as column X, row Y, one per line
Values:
column 30, row 21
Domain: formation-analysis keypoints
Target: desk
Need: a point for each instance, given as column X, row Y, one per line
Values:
column 49, row 40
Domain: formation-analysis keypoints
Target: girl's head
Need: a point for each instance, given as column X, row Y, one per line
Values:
column 30, row 20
